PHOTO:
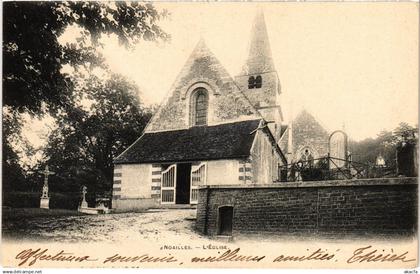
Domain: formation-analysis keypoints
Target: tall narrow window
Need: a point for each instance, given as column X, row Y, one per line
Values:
column 258, row 81
column 251, row 82
column 200, row 107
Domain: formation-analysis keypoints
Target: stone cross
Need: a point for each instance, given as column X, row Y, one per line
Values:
column 46, row 173
column 84, row 191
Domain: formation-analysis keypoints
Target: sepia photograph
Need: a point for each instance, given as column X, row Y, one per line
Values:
column 210, row 135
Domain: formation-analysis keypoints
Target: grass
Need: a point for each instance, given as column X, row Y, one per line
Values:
column 18, row 213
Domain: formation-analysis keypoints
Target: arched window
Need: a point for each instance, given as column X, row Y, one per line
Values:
column 251, row 82
column 199, row 107
column 258, row 81
column 307, row 157
column 255, row 82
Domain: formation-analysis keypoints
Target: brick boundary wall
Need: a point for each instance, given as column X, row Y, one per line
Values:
column 384, row 206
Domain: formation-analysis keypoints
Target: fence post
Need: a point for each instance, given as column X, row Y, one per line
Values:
column 328, row 160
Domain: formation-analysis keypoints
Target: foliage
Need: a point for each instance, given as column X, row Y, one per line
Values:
column 33, row 57
column 18, row 199
column 12, row 174
column 105, row 119
column 405, row 133
column 385, row 144
column 34, row 78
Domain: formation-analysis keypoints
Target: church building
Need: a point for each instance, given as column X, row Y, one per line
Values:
column 304, row 138
column 211, row 129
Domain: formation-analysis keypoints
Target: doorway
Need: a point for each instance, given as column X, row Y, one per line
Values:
column 183, row 183
column 225, row 220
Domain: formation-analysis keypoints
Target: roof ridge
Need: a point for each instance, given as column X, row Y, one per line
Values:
column 206, row 126
column 223, row 141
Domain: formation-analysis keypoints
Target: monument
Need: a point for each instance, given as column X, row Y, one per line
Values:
column 84, row 203
column 84, row 208
column 380, row 161
column 45, row 199
column 338, row 149
column 406, row 155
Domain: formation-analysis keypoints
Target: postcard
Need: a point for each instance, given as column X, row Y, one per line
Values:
column 210, row 135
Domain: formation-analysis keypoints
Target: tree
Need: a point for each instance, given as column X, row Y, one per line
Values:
column 105, row 119
column 405, row 133
column 385, row 144
column 365, row 151
column 34, row 81
column 33, row 58
column 12, row 172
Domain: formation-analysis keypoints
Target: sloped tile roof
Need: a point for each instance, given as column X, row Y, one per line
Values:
column 225, row 141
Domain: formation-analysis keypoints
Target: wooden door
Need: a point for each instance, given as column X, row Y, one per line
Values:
column 225, row 220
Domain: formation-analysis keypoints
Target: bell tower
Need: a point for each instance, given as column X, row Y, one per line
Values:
column 258, row 78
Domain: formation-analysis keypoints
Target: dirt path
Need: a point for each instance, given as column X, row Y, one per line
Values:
column 159, row 226
column 150, row 226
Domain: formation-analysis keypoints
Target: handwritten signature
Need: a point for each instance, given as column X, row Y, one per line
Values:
column 32, row 256
column 366, row 254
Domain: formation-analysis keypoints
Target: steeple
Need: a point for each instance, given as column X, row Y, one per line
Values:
column 258, row 79
column 259, row 55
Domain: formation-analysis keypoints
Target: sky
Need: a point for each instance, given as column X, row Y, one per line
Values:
column 349, row 64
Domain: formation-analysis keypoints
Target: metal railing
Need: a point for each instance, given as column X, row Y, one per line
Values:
column 331, row 168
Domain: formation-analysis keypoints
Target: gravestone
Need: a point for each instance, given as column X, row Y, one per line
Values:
column 45, row 199
column 338, row 149
column 84, row 203
column 407, row 160
column 84, row 208
column 380, row 161
column 306, row 158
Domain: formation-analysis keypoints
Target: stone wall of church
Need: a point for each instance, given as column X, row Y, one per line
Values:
column 264, row 160
column 264, row 97
column 308, row 133
column 223, row 172
column 133, row 204
column 226, row 103
column 134, row 181
column 381, row 206
column 138, row 186
column 132, row 187
column 267, row 95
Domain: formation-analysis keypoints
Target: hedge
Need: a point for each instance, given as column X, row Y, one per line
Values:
column 32, row 200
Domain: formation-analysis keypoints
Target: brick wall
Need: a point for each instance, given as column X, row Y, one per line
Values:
column 373, row 206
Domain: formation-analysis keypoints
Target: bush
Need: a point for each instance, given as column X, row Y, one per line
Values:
column 21, row 199
column 60, row 200
column 32, row 200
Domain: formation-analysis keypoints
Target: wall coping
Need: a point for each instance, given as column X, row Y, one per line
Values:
column 332, row 183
